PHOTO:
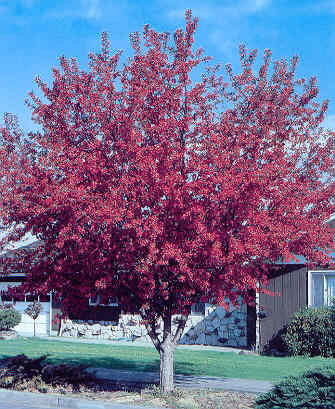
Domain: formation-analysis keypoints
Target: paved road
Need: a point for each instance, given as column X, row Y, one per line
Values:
column 21, row 405
column 30, row 400
column 10, row 405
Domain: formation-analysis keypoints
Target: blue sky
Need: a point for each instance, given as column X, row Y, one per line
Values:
column 35, row 33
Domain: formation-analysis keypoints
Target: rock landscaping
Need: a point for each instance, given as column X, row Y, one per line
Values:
column 218, row 327
column 10, row 334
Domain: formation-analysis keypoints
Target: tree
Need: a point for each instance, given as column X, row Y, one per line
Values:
column 9, row 317
column 33, row 310
column 145, row 185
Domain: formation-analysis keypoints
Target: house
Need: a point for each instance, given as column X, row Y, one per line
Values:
column 207, row 324
column 43, row 322
column 299, row 285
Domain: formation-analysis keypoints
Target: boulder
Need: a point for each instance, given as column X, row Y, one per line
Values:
column 211, row 340
column 216, row 322
column 201, row 340
column 222, row 332
column 221, row 313
column 244, row 352
column 10, row 334
column 190, row 332
column 200, row 327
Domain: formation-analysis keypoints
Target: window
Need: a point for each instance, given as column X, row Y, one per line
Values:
column 31, row 298
column 95, row 300
column 198, row 308
column 6, row 298
column 113, row 301
column 321, row 287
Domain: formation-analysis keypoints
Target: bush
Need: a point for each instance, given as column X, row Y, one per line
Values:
column 315, row 388
column 277, row 343
column 312, row 332
column 9, row 317
column 23, row 373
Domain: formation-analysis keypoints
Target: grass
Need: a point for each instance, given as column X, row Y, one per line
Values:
column 187, row 362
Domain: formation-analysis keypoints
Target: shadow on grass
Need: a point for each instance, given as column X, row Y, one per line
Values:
column 140, row 361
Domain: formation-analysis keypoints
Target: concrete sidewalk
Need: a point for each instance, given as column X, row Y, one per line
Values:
column 185, row 381
column 43, row 401
column 17, row 399
column 131, row 377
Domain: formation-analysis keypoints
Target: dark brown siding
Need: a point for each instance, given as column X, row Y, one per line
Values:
column 291, row 282
column 99, row 313
column 251, row 326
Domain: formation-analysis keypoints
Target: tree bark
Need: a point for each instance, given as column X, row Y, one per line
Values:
column 166, row 354
column 166, row 348
column 166, row 367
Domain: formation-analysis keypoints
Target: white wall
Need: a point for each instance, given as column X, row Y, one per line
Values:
column 26, row 326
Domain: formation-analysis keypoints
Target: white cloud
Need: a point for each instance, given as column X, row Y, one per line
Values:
column 327, row 6
column 86, row 9
column 29, row 3
column 235, row 9
column 225, row 45
column 329, row 122
column 203, row 12
column 93, row 9
column 257, row 5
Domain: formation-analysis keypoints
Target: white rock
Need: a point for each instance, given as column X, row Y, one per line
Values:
column 220, row 312
column 211, row 339
column 200, row 326
column 200, row 340
column 222, row 332
column 216, row 323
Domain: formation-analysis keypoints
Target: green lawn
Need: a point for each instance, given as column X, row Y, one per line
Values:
column 187, row 362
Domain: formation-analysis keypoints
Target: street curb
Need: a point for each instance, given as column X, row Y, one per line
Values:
column 56, row 401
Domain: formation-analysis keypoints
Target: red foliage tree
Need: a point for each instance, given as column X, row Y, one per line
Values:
column 147, row 186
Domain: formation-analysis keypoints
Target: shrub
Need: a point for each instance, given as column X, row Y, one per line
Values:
column 22, row 373
column 9, row 317
column 277, row 343
column 315, row 388
column 312, row 332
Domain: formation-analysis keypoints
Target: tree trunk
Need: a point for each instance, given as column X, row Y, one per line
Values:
column 166, row 367
column 60, row 330
column 34, row 327
column 166, row 348
column 166, row 352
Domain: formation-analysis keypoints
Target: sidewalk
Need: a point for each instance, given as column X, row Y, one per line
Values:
column 17, row 399
column 132, row 377
column 183, row 381
column 33, row 400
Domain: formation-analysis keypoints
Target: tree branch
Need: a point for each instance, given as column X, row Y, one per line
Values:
column 180, row 329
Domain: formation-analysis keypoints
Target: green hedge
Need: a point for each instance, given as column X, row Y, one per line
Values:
column 312, row 332
column 313, row 389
